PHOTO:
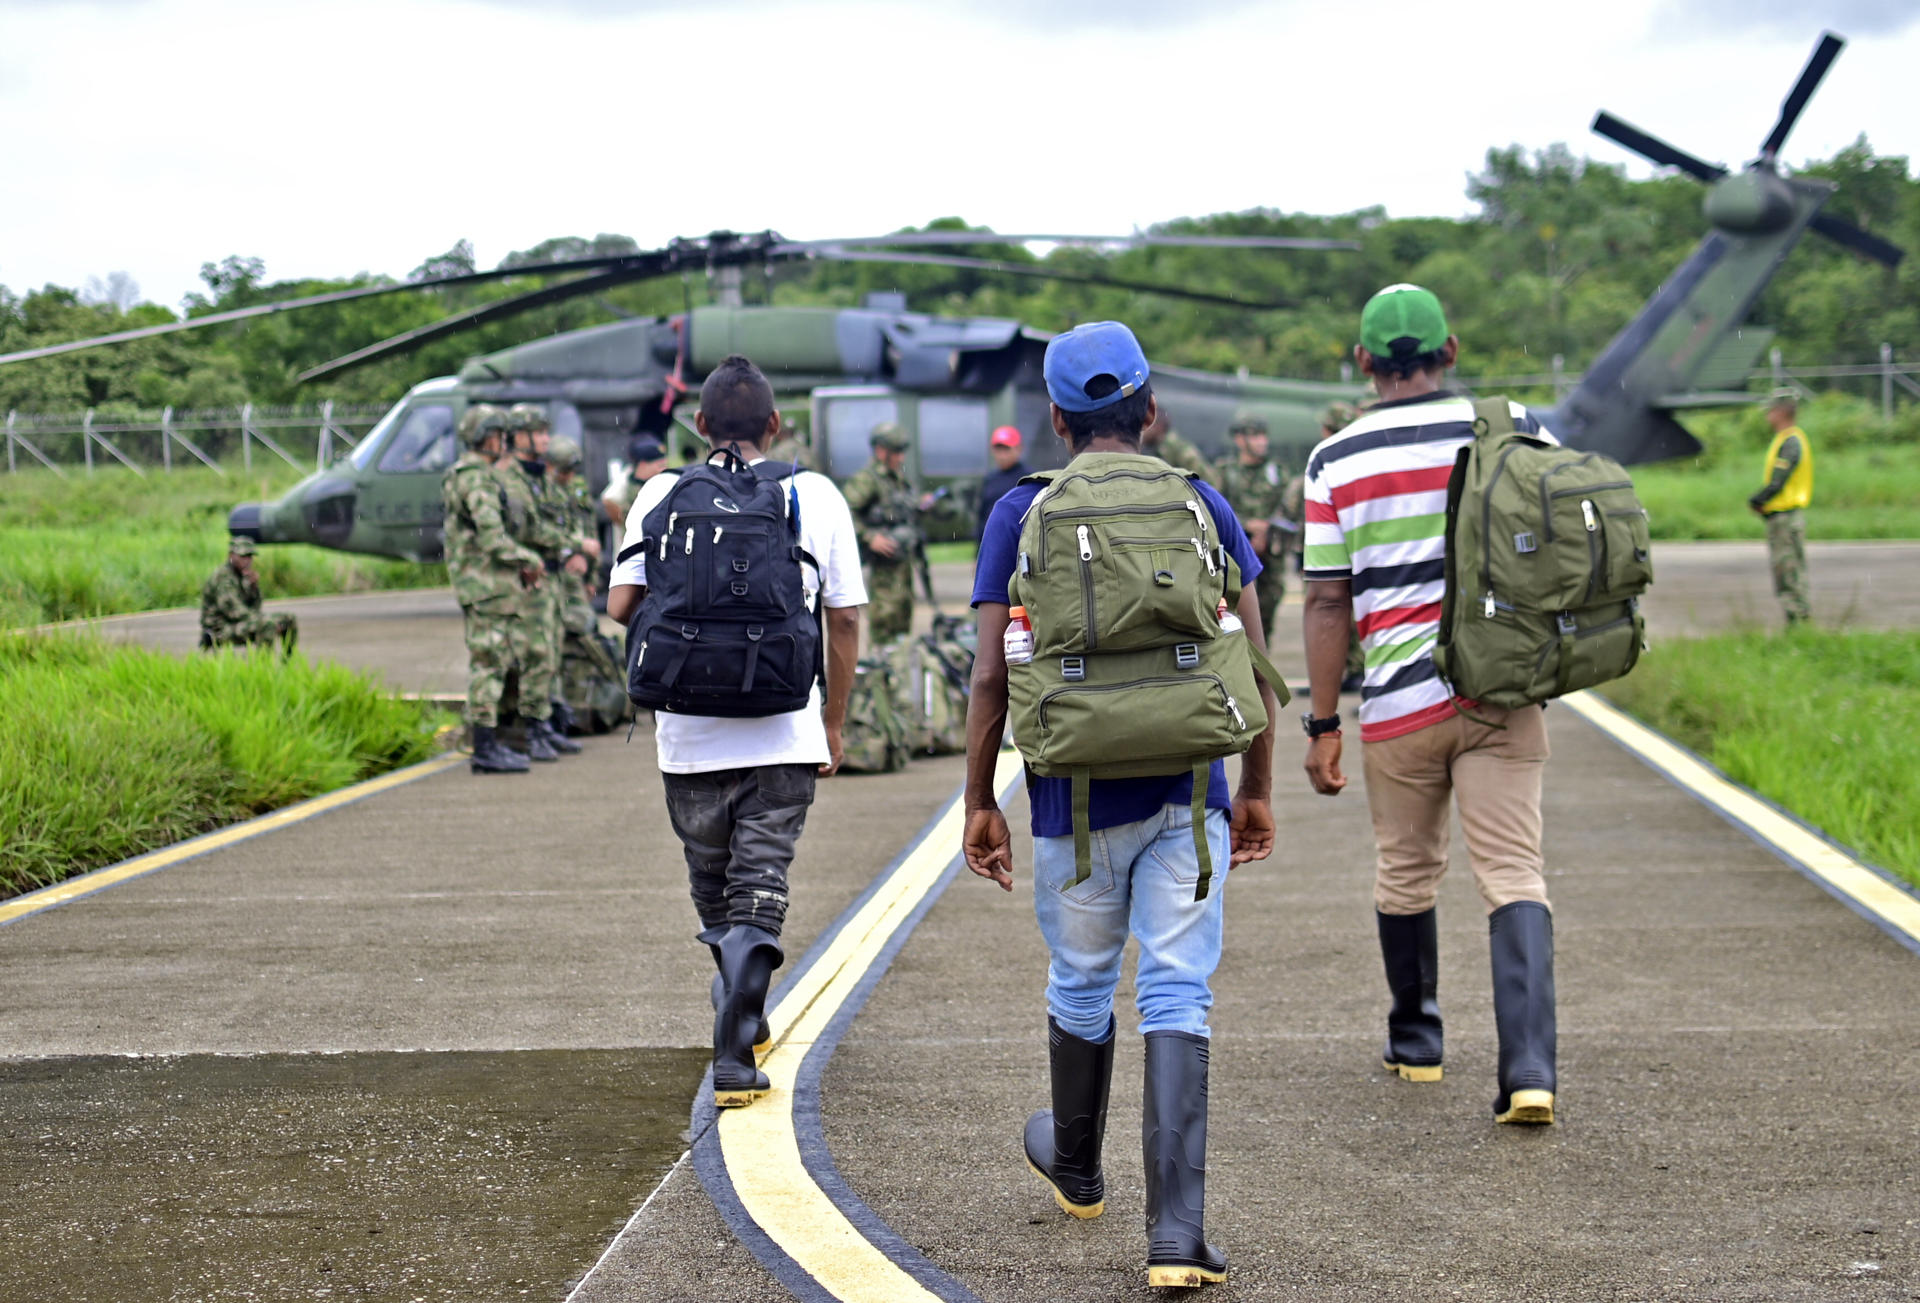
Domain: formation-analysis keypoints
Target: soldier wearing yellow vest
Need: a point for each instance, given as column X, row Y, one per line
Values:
column 1782, row 503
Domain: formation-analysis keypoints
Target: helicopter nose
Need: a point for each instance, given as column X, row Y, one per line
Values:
column 245, row 521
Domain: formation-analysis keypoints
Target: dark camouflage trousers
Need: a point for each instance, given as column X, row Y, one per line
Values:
column 889, row 601
column 492, row 654
column 1787, row 554
column 262, row 627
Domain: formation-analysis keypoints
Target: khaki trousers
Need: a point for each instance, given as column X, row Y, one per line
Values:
column 1494, row 774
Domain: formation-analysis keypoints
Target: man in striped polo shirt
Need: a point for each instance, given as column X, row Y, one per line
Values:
column 1376, row 505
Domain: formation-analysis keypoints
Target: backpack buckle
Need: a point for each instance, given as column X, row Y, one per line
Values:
column 1525, row 542
column 755, row 632
column 1164, row 578
column 739, row 587
column 740, row 565
column 690, row 631
column 1564, row 622
column 1187, row 655
column 1073, row 668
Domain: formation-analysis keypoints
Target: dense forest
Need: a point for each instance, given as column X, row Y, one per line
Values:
column 1558, row 254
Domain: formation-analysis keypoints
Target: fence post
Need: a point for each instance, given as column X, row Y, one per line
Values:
column 246, row 436
column 10, row 419
column 1346, row 373
column 1779, row 370
column 166, row 439
column 1559, row 377
column 86, row 438
column 1886, row 382
column 325, row 453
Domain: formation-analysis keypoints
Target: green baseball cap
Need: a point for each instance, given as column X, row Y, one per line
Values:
column 1403, row 313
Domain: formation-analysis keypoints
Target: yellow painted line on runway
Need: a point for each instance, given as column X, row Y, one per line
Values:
column 1842, row 873
column 86, row 884
column 758, row 1143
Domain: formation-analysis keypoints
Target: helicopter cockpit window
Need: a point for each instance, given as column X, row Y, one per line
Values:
column 423, row 443
column 953, row 436
column 850, row 420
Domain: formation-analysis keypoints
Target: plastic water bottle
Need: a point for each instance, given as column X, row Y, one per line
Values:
column 1019, row 637
column 1229, row 622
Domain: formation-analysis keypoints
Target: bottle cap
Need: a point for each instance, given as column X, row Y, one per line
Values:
column 1017, row 613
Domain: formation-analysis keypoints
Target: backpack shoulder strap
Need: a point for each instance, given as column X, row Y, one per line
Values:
column 1038, row 477
column 775, row 470
column 1492, row 416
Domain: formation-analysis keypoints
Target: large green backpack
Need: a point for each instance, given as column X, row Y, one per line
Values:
column 1547, row 555
column 1121, row 569
column 875, row 738
column 930, row 676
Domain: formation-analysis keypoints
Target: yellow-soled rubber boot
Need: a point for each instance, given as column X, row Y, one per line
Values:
column 1174, row 1143
column 1410, row 950
column 1063, row 1142
column 1520, row 937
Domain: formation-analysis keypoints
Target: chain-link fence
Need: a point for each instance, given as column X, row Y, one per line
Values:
column 226, row 439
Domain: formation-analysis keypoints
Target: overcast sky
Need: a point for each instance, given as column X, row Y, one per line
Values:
column 149, row 136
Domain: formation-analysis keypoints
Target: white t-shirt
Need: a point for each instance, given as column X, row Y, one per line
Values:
column 698, row 744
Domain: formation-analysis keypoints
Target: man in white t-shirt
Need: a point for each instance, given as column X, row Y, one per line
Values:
column 738, row 789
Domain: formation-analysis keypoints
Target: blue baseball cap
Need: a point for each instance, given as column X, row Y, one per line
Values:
column 1099, row 348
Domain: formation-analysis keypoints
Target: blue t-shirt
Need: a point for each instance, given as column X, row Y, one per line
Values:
column 1111, row 801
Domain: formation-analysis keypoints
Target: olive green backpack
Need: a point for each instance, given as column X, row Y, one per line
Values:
column 875, row 739
column 1547, row 555
column 1121, row 569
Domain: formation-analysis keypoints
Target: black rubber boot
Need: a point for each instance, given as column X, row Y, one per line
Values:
column 538, row 746
column 1521, row 939
column 763, row 1036
column 1410, row 945
column 1174, row 1137
column 562, row 717
column 748, row 956
column 492, row 756
column 558, row 741
column 1063, row 1142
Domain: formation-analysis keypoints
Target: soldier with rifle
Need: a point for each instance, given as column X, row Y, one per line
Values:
column 886, row 513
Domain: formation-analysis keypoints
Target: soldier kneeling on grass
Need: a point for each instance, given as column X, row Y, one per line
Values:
column 230, row 614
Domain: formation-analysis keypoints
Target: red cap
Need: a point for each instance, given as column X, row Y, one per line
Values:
column 1005, row 437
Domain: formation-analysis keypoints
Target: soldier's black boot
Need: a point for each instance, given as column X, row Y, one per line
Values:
column 748, row 956
column 1063, row 1142
column 492, row 756
column 540, row 742
column 562, row 717
column 1174, row 1136
column 1410, row 945
column 1521, row 939
column 763, row 1035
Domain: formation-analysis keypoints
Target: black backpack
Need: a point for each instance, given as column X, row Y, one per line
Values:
column 725, row 628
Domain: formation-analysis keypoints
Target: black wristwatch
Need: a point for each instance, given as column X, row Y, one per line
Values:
column 1319, row 727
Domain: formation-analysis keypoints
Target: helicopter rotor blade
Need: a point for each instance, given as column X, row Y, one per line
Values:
column 1796, row 102
column 307, row 301
column 1040, row 272
column 421, row 336
column 912, row 238
column 1843, row 232
column 1654, row 149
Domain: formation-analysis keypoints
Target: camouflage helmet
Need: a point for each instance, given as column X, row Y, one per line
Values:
column 527, row 416
column 1336, row 417
column 240, row 545
column 481, row 422
column 888, row 435
column 563, row 454
column 1247, row 421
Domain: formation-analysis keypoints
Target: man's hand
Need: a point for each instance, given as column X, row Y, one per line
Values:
column 881, row 543
column 1323, row 765
column 591, row 547
column 989, row 846
column 836, row 752
column 531, row 577
column 576, row 564
column 1252, row 829
column 1257, row 535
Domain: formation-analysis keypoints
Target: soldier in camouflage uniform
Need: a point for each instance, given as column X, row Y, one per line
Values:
column 1161, row 440
column 533, row 521
column 1782, row 502
column 230, row 614
column 790, row 447
column 590, row 674
column 888, row 520
column 1254, row 485
column 493, row 577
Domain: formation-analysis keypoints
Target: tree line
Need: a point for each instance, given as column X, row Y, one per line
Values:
column 1558, row 253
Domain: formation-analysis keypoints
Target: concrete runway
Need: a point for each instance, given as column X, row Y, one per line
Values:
column 400, row 1012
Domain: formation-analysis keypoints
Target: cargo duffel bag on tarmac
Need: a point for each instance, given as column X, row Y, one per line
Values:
column 1548, row 553
column 1122, row 572
column 876, row 739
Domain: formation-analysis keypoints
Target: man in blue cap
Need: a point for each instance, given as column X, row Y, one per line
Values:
column 1136, row 834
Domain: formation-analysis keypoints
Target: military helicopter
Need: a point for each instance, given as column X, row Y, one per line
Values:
column 950, row 381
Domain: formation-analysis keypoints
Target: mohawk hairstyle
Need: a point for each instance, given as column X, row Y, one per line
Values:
column 737, row 402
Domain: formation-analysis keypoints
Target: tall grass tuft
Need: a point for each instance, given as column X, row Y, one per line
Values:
column 1825, row 723
column 109, row 751
column 113, row 543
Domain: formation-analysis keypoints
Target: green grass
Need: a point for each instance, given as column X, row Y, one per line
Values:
column 1866, row 475
column 1824, row 723
column 942, row 553
column 110, row 751
column 112, row 543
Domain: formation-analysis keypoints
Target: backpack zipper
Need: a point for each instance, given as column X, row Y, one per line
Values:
column 1232, row 707
column 1546, row 498
column 1086, row 586
column 1087, row 513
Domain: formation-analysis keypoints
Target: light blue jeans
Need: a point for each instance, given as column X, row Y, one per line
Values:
column 1142, row 882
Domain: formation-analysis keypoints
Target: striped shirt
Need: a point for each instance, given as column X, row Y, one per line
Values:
column 1377, row 517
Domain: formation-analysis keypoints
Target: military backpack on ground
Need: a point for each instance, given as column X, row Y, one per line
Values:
column 875, row 738
column 725, row 628
column 930, row 676
column 1121, row 569
column 1547, row 555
